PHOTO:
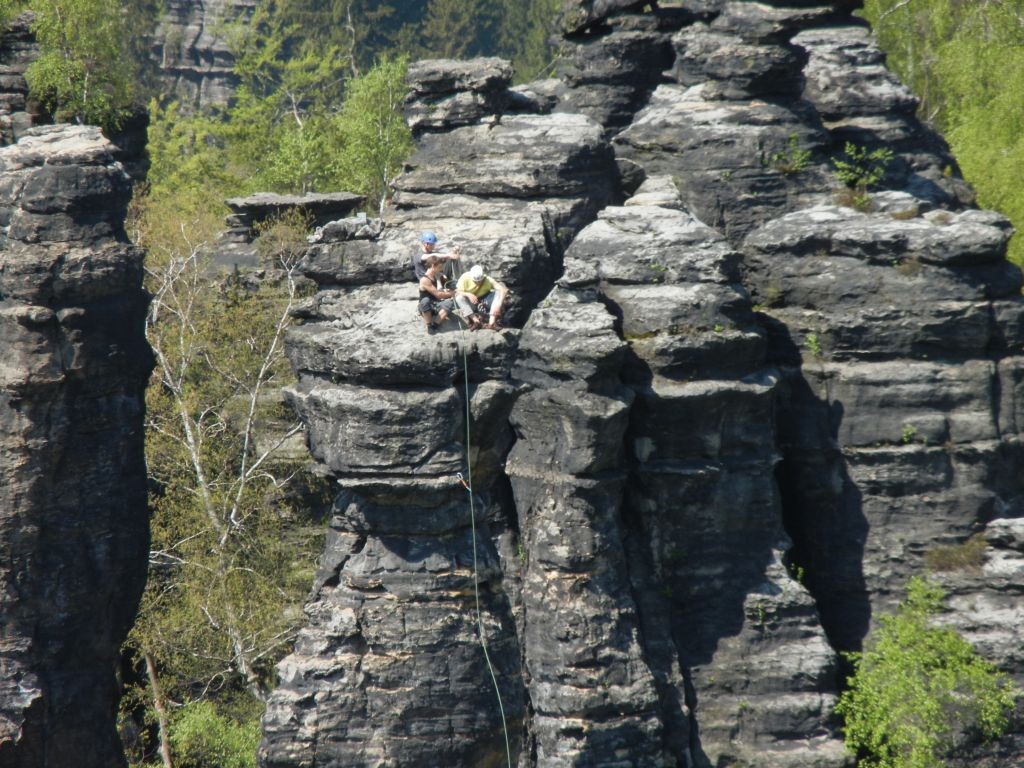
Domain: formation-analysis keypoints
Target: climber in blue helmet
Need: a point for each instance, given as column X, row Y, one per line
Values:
column 428, row 247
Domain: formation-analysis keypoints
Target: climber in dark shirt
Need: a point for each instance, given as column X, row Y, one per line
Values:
column 428, row 247
column 434, row 299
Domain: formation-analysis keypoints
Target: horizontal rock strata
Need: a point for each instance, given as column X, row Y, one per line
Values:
column 732, row 417
column 894, row 434
column 701, row 516
column 73, row 514
column 18, row 49
column 409, row 680
column 191, row 46
column 444, row 93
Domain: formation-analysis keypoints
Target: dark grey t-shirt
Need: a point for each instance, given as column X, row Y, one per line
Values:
column 418, row 267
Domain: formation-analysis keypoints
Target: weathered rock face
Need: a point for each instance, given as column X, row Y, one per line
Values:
column 891, row 426
column 73, row 515
column 408, row 567
column 18, row 49
column 445, row 93
column 730, row 419
column 191, row 48
column 608, row 77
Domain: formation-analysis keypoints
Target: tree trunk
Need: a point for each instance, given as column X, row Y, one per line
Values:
column 161, row 712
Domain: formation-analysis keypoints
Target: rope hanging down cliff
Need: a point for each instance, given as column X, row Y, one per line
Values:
column 472, row 518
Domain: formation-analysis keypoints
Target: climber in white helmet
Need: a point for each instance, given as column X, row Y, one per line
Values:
column 477, row 294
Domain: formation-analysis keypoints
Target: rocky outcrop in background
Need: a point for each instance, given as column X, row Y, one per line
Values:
column 191, row 47
column 730, row 418
column 73, row 514
column 18, row 49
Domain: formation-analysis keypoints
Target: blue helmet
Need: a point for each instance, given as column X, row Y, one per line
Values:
column 428, row 237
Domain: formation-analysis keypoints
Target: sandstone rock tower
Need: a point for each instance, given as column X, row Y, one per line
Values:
column 731, row 417
column 73, row 516
column 74, row 531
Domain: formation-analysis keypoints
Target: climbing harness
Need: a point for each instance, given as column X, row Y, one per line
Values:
column 472, row 518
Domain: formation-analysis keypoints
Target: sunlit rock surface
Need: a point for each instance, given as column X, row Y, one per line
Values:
column 729, row 416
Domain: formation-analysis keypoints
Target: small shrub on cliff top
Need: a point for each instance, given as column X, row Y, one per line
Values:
column 813, row 344
column 858, row 199
column 920, row 691
column 857, row 168
column 793, row 160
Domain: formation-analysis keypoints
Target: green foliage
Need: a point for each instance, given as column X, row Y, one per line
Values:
column 793, row 160
column 8, row 10
column 364, row 31
column 227, row 578
column 857, row 168
column 256, row 147
column 86, row 71
column 373, row 28
column 813, row 344
column 965, row 61
column 858, row 199
column 284, row 237
column 190, row 172
column 457, row 22
column 282, row 65
column 214, row 610
column 300, row 157
column 377, row 139
column 524, row 36
column 920, row 691
column 201, row 737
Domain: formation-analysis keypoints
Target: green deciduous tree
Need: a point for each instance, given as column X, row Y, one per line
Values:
column 280, row 63
column 376, row 138
column 190, row 172
column 222, row 600
column 220, row 575
column 360, row 147
column 87, row 70
column 203, row 738
column 920, row 690
column 301, row 122
column 451, row 29
column 965, row 60
column 524, row 36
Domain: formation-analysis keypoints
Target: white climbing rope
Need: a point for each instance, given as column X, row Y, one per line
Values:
column 468, row 485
